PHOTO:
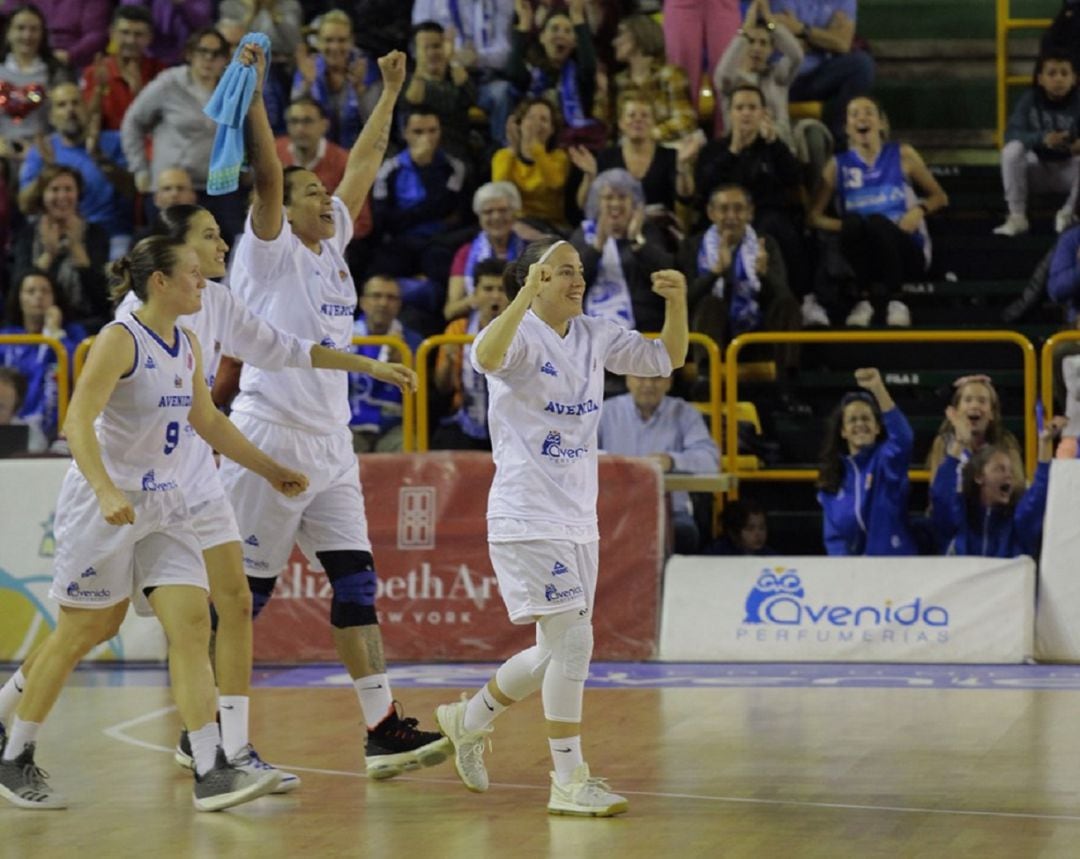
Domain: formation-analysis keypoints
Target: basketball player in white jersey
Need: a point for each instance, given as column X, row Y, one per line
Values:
column 545, row 365
column 225, row 326
column 122, row 526
column 290, row 269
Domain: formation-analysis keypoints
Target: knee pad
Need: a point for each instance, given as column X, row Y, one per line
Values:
column 570, row 637
column 353, row 580
column 523, row 673
column 261, row 590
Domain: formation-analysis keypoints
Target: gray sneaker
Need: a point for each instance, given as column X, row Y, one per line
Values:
column 24, row 784
column 226, row 785
column 249, row 761
column 468, row 747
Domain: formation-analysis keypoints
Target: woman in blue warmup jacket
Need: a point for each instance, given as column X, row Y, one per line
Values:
column 980, row 506
column 863, row 480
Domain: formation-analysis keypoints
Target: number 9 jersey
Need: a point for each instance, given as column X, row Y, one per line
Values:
column 146, row 419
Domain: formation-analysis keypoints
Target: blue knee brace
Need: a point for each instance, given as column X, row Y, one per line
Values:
column 352, row 577
column 261, row 590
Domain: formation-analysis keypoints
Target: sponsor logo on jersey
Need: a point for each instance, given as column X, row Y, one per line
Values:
column 572, row 409
column 169, row 401
column 559, row 569
column 553, row 594
column 553, row 448
column 252, row 541
column 75, row 592
column 177, row 381
column 150, row 364
column 549, row 369
column 338, row 309
column 150, row 483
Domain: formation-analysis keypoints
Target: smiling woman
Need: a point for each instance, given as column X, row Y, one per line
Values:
column 863, row 481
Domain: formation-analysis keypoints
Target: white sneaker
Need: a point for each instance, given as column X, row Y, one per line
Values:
column 1015, row 225
column 248, row 761
column 1064, row 219
column 813, row 314
column 468, row 747
column 585, row 796
column 861, row 315
column 897, row 315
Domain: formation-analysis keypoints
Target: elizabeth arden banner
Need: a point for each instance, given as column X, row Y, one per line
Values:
column 28, row 492
column 438, row 598
column 1057, row 623
column 816, row 609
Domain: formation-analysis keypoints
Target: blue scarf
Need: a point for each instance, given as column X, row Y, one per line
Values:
column 480, row 250
column 472, row 416
column 744, row 312
column 609, row 295
column 228, row 107
column 569, row 95
column 375, row 405
column 345, row 126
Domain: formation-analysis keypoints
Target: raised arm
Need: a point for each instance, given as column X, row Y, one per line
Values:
column 491, row 348
column 112, row 355
column 670, row 285
column 267, row 203
column 367, row 152
column 224, row 437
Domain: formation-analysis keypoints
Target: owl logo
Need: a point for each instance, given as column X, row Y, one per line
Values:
column 771, row 583
column 553, row 440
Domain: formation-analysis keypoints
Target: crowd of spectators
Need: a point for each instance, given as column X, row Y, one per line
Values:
column 582, row 118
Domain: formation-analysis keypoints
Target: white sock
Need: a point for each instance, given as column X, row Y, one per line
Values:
column 566, row 753
column 10, row 693
column 375, row 698
column 22, row 735
column 234, row 723
column 481, row 711
column 204, row 746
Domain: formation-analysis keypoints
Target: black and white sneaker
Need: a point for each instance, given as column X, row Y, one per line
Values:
column 226, row 785
column 395, row 745
column 183, row 756
column 25, row 784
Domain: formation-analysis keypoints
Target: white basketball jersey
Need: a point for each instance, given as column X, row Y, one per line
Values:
column 144, row 427
column 311, row 295
column 543, row 414
column 225, row 326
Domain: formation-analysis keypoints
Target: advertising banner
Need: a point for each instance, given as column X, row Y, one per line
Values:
column 818, row 609
column 438, row 598
column 1057, row 620
column 28, row 492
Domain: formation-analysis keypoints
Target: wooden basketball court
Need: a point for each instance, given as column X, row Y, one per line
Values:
column 732, row 761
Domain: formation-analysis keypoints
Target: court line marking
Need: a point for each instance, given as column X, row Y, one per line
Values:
column 118, row 732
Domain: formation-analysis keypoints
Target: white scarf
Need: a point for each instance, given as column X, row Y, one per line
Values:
column 609, row 295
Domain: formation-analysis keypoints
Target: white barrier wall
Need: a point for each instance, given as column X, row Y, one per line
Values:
column 1058, row 617
column 28, row 491
column 815, row 609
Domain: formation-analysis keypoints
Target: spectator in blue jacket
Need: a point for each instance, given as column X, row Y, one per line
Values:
column 1063, row 280
column 980, row 507
column 863, row 481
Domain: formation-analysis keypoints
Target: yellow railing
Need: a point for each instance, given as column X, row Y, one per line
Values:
column 1047, row 369
column 63, row 377
column 731, row 391
column 408, row 402
column 1005, row 24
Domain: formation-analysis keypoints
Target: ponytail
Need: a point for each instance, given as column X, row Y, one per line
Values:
column 132, row 272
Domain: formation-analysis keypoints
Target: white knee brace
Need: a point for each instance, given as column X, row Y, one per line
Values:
column 570, row 637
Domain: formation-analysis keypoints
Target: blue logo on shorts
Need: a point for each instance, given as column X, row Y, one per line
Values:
column 558, row 569
column 75, row 592
column 252, row 541
column 88, row 572
column 150, row 484
column 553, row 594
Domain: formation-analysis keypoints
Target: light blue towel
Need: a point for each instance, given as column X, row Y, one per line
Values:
column 228, row 107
